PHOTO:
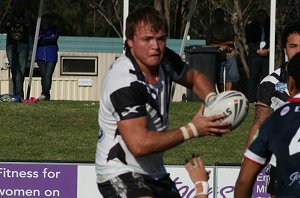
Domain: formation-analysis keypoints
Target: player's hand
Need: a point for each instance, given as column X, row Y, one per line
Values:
column 196, row 169
column 210, row 125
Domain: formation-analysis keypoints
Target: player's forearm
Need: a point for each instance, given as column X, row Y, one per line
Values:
column 251, row 134
column 198, row 82
column 155, row 141
column 262, row 112
column 242, row 191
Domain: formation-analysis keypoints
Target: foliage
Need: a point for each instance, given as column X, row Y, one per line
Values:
column 67, row 131
column 105, row 18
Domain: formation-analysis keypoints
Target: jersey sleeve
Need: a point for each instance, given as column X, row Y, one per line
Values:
column 173, row 65
column 265, row 92
column 129, row 102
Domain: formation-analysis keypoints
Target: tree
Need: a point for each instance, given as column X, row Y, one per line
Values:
column 105, row 18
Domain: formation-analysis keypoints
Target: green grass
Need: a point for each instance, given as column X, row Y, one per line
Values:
column 67, row 131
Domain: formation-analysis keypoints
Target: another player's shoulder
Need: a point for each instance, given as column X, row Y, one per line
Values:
column 274, row 77
column 273, row 85
column 290, row 108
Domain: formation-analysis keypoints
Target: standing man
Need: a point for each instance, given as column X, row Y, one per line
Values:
column 279, row 135
column 273, row 93
column 258, row 41
column 18, row 24
column 133, row 115
column 221, row 34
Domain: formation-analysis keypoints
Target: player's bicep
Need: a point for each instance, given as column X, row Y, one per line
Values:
column 188, row 78
column 249, row 171
column 133, row 132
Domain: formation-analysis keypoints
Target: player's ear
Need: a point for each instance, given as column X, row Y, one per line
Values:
column 130, row 42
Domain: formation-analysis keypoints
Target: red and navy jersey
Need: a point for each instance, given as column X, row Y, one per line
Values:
column 280, row 135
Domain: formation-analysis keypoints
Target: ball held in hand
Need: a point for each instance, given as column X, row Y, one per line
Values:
column 233, row 104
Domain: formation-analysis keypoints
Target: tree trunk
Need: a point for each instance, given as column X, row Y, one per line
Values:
column 240, row 38
column 167, row 12
column 178, row 21
column 158, row 5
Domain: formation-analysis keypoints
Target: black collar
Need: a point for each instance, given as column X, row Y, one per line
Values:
column 137, row 71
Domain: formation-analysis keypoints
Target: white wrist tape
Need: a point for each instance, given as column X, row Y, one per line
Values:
column 194, row 129
column 208, row 97
column 185, row 133
column 204, row 187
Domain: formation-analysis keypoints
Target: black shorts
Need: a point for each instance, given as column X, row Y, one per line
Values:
column 271, row 187
column 132, row 185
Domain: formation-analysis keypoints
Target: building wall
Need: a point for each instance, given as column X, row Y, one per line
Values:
column 70, row 87
column 64, row 87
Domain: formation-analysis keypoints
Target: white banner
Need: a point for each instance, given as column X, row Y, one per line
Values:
column 73, row 180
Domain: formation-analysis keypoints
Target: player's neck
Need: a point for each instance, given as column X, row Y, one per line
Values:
column 152, row 79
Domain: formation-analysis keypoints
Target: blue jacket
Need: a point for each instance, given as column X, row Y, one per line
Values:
column 47, row 47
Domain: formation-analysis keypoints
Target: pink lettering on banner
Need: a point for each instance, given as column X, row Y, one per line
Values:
column 185, row 190
column 226, row 191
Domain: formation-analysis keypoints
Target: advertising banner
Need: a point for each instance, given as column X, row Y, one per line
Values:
column 66, row 180
column 38, row 180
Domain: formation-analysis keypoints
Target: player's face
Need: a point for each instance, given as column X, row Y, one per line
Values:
column 147, row 47
column 292, row 46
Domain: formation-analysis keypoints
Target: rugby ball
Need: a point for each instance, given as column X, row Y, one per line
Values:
column 233, row 104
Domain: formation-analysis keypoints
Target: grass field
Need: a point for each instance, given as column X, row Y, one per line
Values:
column 67, row 131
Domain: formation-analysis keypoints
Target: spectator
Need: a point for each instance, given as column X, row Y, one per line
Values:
column 46, row 54
column 133, row 115
column 221, row 34
column 279, row 135
column 258, row 41
column 272, row 91
column 198, row 175
column 18, row 25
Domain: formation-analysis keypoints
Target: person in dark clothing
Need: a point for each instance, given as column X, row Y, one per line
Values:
column 17, row 24
column 46, row 54
column 258, row 41
column 221, row 34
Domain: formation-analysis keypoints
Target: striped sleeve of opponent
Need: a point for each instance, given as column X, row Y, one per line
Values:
column 254, row 157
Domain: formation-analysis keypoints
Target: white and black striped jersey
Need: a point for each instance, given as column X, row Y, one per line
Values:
column 272, row 90
column 125, row 95
column 280, row 135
